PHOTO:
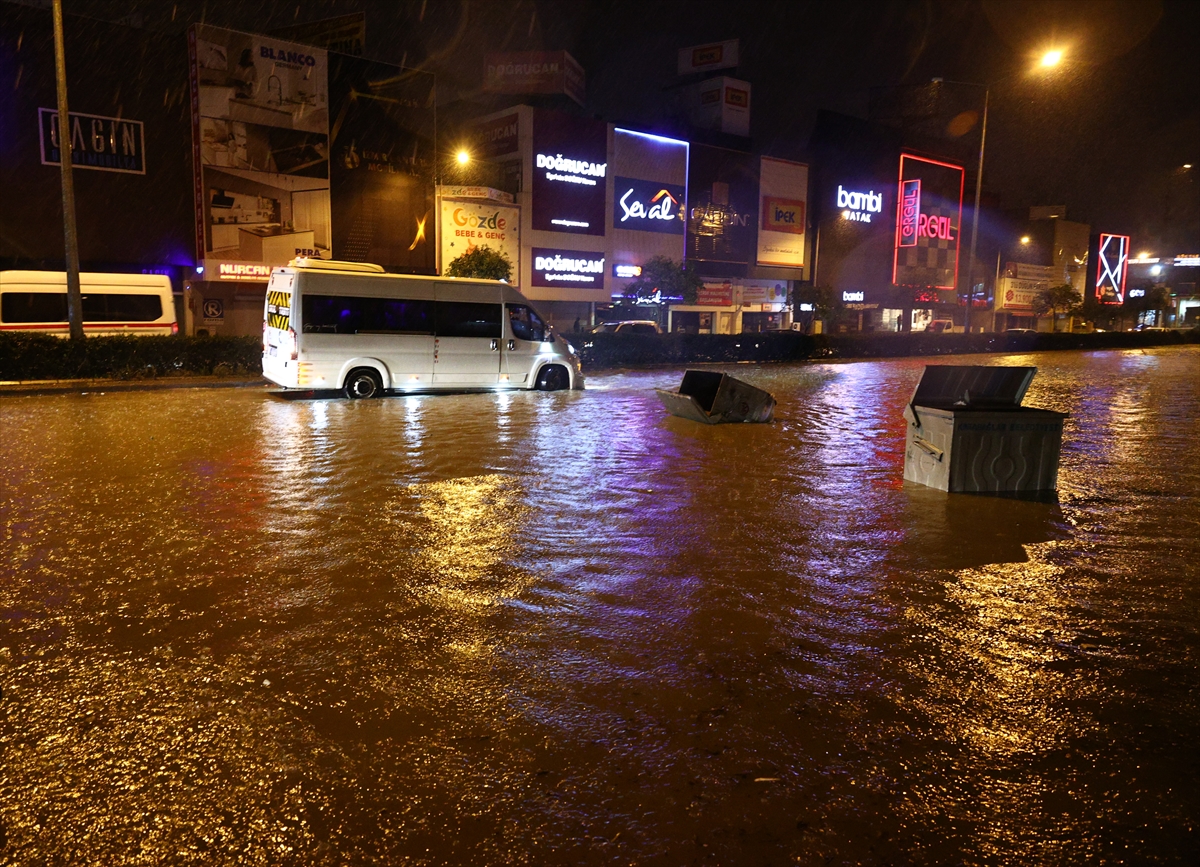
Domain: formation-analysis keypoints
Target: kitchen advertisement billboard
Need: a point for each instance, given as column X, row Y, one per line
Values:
column 570, row 167
column 782, row 202
column 261, row 136
column 928, row 223
column 466, row 225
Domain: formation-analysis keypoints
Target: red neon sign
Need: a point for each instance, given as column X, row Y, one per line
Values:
column 910, row 212
column 1112, row 264
column 928, row 217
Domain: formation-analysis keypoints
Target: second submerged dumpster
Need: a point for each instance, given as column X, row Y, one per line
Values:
column 714, row 398
column 967, row 431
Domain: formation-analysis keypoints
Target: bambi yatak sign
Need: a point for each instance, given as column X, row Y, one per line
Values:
column 928, row 216
column 859, row 207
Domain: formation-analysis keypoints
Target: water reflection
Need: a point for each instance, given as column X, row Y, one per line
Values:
column 570, row 628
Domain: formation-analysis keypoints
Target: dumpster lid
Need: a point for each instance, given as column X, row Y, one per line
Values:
column 972, row 386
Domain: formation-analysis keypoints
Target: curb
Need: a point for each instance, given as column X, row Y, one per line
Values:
column 84, row 386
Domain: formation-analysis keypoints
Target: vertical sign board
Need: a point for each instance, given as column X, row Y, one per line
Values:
column 649, row 200
column 1112, row 263
column 382, row 164
column 466, row 225
column 782, row 202
column 928, row 222
column 722, row 205
column 300, row 152
column 569, row 170
column 261, row 134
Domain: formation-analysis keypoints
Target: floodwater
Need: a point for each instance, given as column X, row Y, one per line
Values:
column 569, row 629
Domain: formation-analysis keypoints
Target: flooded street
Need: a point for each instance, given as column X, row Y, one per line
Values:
column 569, row 629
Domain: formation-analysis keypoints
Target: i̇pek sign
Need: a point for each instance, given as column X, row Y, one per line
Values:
column 580, row 269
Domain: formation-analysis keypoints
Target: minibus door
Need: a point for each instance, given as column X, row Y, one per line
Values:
column 467, row 343
column 524, row 342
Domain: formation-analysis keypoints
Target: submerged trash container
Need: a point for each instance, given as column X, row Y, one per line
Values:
column 715, row 398
column 967, row 431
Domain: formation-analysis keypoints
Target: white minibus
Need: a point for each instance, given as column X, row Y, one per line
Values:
column 353, row 327
column 36, row 301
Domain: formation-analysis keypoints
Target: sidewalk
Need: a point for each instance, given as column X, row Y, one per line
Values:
column 82, row 386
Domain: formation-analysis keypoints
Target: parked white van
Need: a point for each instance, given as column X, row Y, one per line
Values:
column 36, row 301
column 351, row 326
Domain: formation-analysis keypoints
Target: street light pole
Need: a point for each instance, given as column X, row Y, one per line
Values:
column 975, row 214
column 71, row 239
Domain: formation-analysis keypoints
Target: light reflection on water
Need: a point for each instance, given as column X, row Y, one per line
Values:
column 567, row 628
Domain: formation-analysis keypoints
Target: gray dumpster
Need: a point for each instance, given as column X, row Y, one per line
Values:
column 715, row 398
column 967, row 431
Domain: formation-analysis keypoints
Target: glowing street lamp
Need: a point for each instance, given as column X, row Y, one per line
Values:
column 1025, row 239
column 463, row 157
column 1051, row 58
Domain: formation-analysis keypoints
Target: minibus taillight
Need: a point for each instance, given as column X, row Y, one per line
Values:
column 174, row 327
column 289, row 344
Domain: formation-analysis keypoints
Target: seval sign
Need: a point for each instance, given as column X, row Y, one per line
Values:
column 648, row 206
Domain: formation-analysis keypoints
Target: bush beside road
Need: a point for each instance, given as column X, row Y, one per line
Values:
column 601, row 351
column 42, row 358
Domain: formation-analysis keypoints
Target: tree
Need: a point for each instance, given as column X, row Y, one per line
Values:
column 662, row 275
column 825, row 303
column 1149, row 296
column 481, row 262
column 1063, row 298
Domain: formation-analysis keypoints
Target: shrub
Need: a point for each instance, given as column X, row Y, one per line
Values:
column 25, row 357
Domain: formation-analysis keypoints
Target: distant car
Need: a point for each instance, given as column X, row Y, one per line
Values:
column 940, row 326
column 628, row 326
column 1020, row 331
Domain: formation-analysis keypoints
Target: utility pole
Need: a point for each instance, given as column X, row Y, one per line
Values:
column 74, row 296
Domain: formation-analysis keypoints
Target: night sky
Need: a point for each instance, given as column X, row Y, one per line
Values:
column 1106, row 134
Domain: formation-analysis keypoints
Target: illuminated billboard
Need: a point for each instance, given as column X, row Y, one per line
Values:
column 570, row 166
column 928, row 223
column 1112, row 262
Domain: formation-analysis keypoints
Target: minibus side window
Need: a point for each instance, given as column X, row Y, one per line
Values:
column 121, row 308
column 468, row 319
column 337, row 314
column 525, row 324
column 33, row 307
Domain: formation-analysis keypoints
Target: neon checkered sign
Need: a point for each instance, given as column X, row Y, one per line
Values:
column 928, row 216
column 1112, row 263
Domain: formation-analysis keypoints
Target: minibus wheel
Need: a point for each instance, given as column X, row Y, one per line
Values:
column 363, row 383
column 553, row 377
